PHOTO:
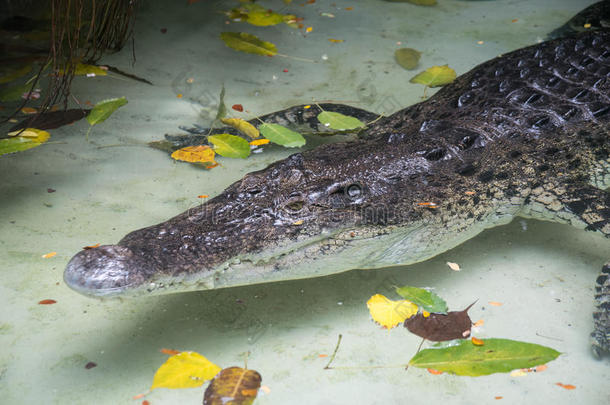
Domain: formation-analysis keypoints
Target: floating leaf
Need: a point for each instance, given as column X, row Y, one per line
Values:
column 428, row 300
column 27, row 139
column 264, row 18
column 441, row 327
column 184, row 370
column 233, row 385
column 84, row 70
column 104, row 109
column 259, row 142
column 339, row 121
column 242, row 126
column 281, row 135
column 453, row 266
column 10, row 74
column 29, row 110
column 435, row 76
column 231, row 146
column 408, row 58
column 242, row 41
column 390, row 313
column 49, row 255
column 200, row 153
column 496, row 356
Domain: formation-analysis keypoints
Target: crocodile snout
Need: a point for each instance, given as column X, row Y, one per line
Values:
column 106, row 271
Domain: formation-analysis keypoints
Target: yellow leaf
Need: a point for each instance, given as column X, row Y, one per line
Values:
column 184, row 370
column 29, row 110
column 201, row 153
column 242, row 126
column 258, row 142
column 435, row 76
column 390, row 313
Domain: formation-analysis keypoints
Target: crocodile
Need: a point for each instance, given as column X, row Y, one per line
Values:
column 525, row 134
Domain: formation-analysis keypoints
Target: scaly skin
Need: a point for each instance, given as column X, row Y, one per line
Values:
column 525, row 134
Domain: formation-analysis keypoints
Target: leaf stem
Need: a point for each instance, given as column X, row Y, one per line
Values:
column 332, row 358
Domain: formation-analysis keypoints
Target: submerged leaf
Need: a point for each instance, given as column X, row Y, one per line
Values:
column 233, row 385
column 441, row 327
column 242, row 41
column 428, row 300
column 104, row 109
column 12, row 73
column 281, row 135
column 52, row 119
column 27, row 139
column 184, row 370
column 496, row 356
column 200, row 153
column 242, row 126
column 14, row 93
column 339, row 121
column 435, row 76
column 408, row 58
column 390, row 313
column 222, row 108
column 231, row 146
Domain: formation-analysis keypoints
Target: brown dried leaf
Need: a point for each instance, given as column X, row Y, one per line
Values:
column 233, row 385
column 439, row 327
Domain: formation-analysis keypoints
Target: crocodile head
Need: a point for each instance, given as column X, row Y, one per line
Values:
column 283, row 222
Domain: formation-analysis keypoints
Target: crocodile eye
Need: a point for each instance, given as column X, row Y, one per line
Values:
column 294, row 206
column 353, row 190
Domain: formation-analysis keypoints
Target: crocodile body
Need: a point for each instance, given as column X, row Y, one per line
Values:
column 525, row 134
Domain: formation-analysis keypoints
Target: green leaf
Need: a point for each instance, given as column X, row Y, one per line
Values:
column 339, row 121
column 242, row 41
column 104, row 109
column 27, row 139
column 435, row 76
column 264, row 18
column 281, row 135
column 429, row 301
column 82, row 69
column 494, row 356
column 14, row 93
column 230, row 146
